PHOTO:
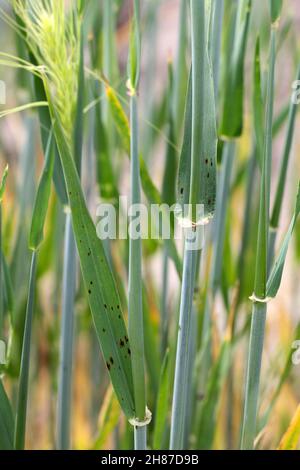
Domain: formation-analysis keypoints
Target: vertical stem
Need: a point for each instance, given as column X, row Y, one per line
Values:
column 135, row 305
column 140, row 438
column 179, row 406
column 180, row 392
column 66, row 342
column 20, row 426
column 253, row 374
column 192, row 386
column 261, row 271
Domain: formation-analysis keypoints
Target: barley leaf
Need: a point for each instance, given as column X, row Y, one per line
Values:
column 284, row 163
column 258, row 107
column 3, row 183
column 134, row 49
column 79, row 121
column 151, row 343
column 277, row 271
column 8, row 290
column 183, row 180
column 105, row 172
column 45, row 127
column 170, row 170
column 42, row 199
column 162, row 404
column 208, row 153
column 275, row 7
column 263, row 225
column 232, row 116
column 98, row 279
column 119, row 117
column 291, row 437
column 108, row 420
column 207, row 421
column 6, row 421
column 20, row 424
column 284, row 375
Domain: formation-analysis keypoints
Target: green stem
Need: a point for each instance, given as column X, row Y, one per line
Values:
column 135, row 304
column 253, row 375
column 260, row 285
column 140, row 438
column 180, row 393
column 20, row 426
column 66, row 341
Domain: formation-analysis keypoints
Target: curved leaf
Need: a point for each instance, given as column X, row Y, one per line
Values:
column 98, row 279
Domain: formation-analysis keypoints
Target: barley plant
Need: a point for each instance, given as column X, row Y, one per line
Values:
column 150, row 247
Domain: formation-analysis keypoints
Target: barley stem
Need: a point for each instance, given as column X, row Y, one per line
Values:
column 180, row 394
column 261, row 271
column 253, row 375
column 20, row 426
column 66, row 341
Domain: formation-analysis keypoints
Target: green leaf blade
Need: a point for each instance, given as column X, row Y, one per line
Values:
column 102, row 293
column 42, row 199
column 6, row 421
